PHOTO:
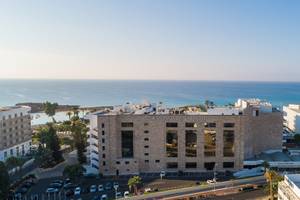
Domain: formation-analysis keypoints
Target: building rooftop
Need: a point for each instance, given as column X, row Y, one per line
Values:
column 295, row 178
column 160, row 109
column 294, row 107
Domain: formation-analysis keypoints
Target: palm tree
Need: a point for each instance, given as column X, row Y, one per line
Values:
column 133, row 182
column 266, row 165
column 69, row 113
column 50, row 109
column 273, row 178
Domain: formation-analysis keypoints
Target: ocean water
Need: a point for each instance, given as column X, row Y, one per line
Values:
column 116, row 92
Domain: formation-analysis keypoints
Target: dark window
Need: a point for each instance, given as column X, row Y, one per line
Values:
column 190, row 165
column 103, row 140
column 228, row 143
column 256, row 113
column 191, row 125
column 172, row 143
column 102, row 125
column 146, row 131
column 146, row 139
column 146, row 124
column 103, row 163
column 103, row 148
column 127, row 144
column 228, row 164
column 210, row 125
column 146, row 147
column 127, row 124
column 146, row 154
column 209, row 143
column 157, row 161
column 209, row 165
column 190, row 143
column 118, row 162
column 228, row 125
column 103, row 155
column 171, row 124
column 146, row 161
column 103, row 132
column 126, row 162
column 172, row 165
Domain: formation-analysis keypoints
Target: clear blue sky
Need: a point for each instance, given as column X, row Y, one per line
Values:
column 151, row 39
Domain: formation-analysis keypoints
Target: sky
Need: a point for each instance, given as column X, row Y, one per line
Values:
column 249, row 40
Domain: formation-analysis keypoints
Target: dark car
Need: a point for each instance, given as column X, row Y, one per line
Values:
column 69, row 192
column 108, row 186
column 55, row 185
column 69, row 186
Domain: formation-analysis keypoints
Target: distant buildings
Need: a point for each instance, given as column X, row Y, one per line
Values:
column 149, row 138
column 292, row 117
column 15, row 131
column 289, row 189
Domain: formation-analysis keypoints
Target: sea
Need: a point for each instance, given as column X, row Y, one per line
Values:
column 118, row 92
column 171, row 93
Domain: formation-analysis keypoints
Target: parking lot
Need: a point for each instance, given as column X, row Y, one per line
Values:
column 150, row 181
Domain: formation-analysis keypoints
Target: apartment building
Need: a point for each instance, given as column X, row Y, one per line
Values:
column 289, row 188
column 149, row 138
column 291, row 115
column 15, row 131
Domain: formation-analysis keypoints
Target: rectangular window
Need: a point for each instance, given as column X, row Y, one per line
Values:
column 146, row 131
column 190, row 143
column 210, row 125
column 146, row 139
column 118, row 162
column 171, row 124
column 209, row 165
column 172, row 143
column 103, row 163
column 228, row 125
column 102, row 125
column 228, row 143
column 172, row 165
column 190, row 165
column 228, row 164
column 103, row 148
column 127, row 144
column 127, row 124
column 146, row 154
column 157, row 161
column 190, row 125
column 126, row 162
column 146, row 161
column 103, row 140
column 146, row 124
column 146, row 146
column 209, row 143
column 103, row 133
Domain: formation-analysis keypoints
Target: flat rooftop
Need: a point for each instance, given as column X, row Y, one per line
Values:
column 295, row 178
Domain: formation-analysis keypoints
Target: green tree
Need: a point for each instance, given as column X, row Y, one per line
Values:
column 73, row 171
column 4, row 182
column 50, row 109
column 209, row 103
column 133, row 183
column 69, row 113
column 266, row 165
column 13, row 162
column 53, row 144
column 272, row 178
column 297, row 139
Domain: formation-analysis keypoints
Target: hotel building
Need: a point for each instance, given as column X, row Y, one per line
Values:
column 15, row 131
column 289, row 188
column 150, row 138
column 291, row 115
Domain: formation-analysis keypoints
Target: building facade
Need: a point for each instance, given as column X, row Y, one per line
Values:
column 134, row 139
column 15, row 131
column 289, row 188
column 291, row 115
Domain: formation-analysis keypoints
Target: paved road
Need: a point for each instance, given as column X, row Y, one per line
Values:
column 196, row 189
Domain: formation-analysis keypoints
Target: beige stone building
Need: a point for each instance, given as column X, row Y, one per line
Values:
column 15, row 131
column 149, row 138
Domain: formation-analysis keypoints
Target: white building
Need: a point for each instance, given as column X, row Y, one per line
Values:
column 15, row 131
column 292, row 117
column 289, row 188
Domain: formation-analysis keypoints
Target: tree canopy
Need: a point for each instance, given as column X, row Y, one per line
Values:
column 4, row 182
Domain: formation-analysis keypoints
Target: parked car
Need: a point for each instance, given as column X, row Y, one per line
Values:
column 69, row 186
column 211, row 181
column 67, row 181
column 126, row 194
column 108, row 186
column 93, row 188
column 77, row 191
column 69, row 192
column 51, row 190
column 100, row 188
column 116, row 184
column 55, row 185
column 148, row 189
column 104, row 197
column 118, row 195
column 58, row 181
